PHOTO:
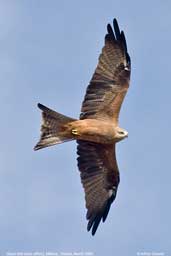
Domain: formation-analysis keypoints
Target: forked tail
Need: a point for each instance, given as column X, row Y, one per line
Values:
column 54, row 128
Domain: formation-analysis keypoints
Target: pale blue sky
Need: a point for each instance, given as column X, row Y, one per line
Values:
column 49, row 50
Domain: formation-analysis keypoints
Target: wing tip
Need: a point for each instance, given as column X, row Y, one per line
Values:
column 94, row 222
column 39, row 105
column 115, row 33
column 117, row 30
column 42, row 107
column 110, row 35
column 115, row 20
column 95, row 219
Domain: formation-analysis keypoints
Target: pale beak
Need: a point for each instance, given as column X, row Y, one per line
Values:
column 126, row 135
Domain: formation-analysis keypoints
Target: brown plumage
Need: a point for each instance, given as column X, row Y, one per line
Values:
column 97, row 130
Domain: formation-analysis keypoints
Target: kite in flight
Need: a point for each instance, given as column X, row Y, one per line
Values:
column 97, row 131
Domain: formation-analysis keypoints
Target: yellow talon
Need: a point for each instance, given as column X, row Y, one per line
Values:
column 75, row 132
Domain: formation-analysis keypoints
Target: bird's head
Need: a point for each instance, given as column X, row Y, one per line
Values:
column 121, row 134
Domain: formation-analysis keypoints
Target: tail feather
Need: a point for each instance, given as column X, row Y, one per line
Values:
column 53, row 128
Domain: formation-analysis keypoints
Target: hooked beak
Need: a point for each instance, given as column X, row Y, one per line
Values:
column 126, row 135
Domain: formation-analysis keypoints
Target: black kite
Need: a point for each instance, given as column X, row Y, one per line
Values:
column 97, row 130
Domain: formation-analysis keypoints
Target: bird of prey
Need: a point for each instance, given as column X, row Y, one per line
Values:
column 97, row 130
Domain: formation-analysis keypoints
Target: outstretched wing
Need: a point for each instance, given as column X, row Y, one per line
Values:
column 110, row 82
column 100, row 179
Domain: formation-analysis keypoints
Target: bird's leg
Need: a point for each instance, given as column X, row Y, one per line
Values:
column 75, row 132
